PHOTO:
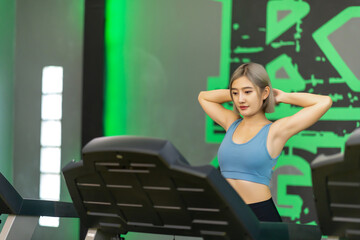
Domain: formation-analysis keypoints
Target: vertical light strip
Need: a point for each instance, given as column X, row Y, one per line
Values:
column 50, row 153
column 115, row 108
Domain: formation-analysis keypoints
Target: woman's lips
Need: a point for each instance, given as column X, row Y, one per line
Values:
column 243, row 107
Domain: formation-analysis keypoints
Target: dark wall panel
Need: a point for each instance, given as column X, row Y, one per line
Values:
column 306, row 47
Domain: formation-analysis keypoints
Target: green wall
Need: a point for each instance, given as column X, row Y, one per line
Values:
column 7, row 40
column 159, row 54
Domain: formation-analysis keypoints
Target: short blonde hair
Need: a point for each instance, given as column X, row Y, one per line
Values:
column 257, row 74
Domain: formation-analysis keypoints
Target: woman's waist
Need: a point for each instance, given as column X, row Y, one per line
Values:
column 248, row 176
column 250, row 192
column 244, row 184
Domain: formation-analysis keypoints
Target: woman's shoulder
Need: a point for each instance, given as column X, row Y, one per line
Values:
column 234, row 123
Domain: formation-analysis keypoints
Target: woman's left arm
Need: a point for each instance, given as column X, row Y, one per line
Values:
column 314, row 107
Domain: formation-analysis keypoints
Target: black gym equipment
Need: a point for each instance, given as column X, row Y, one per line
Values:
column 138, row 184
column 336, row 186
column 24, row 213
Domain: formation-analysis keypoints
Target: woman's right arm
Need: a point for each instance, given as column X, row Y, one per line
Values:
column 211, row 102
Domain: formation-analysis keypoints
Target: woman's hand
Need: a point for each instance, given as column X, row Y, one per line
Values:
column 278, row 94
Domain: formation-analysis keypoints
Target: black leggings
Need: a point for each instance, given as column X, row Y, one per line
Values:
column 266, row 211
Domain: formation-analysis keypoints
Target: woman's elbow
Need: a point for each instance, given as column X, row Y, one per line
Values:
column 201, row 95
column 328, row 102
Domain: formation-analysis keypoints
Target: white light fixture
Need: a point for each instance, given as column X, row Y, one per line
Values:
column 51, row 133
column 52, row 79
column 50, row 138
column 49, row 221
column 51, row 108
column 49, row 186
column 50, row 159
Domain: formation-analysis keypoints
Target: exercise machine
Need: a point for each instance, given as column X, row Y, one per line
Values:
column 138, row 184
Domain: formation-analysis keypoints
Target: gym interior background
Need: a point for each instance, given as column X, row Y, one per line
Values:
column 135, row 67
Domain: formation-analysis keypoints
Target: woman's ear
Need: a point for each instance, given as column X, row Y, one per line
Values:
column 266, row 93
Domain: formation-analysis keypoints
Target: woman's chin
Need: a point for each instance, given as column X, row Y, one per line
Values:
column 243, row 112
column 247, row 114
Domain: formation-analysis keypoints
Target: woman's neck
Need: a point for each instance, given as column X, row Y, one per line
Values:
column 257, row 119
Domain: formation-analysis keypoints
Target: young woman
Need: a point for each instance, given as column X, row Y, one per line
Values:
column 252, row 143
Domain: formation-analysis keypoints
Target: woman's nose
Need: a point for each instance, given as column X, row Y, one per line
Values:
column 241, row 97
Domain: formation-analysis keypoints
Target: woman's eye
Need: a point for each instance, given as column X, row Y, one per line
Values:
column 247, row 92
column 234, row 93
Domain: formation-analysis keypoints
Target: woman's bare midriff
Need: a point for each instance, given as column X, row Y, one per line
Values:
column 250, row 192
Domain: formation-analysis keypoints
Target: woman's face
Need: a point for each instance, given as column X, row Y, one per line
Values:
column 247, row 97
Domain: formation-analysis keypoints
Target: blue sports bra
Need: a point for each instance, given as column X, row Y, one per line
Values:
column 249, row 161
